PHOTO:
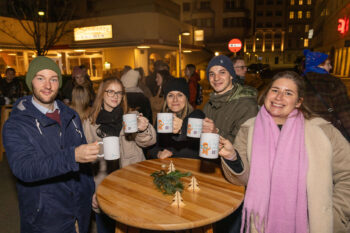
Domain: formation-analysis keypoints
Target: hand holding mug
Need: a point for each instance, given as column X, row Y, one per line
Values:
column 164, row 154
column 142, row 122
column 177, row 124
column 86, row 153
column 208, row 126
column 226, row 149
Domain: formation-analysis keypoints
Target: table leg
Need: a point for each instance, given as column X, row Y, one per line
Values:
column 122, row 228
column 204, row 229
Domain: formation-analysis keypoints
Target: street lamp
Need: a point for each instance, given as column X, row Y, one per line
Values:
column 180, row 41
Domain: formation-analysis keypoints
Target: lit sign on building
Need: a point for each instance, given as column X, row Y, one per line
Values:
column 198, row 35
column 93, row 33
column 343, row 25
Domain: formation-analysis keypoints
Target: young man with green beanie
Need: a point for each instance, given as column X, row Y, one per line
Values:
column 47, row 152
column 229, row 106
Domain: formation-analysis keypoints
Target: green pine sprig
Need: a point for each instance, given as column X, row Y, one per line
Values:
column 169, row 183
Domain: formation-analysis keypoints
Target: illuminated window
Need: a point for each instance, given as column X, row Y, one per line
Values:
column 307, row 27
column 306, row 42
column 300, row 2
column 291, row 14
column 308, row 14
column 309, row 2
column 300, row 14
column 290, row 28
column 291, row 2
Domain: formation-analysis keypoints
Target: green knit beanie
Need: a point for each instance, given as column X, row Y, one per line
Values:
column 41, row 63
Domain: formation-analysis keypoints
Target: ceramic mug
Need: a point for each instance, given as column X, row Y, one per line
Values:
column 209, row 146
column 110, row 148
column 194, row 127
column 164, row 122
column 130, row 123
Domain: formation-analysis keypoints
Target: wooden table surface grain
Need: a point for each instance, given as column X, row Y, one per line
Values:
column 129, row 196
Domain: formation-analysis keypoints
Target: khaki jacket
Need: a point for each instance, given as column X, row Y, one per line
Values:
column 130, row 151
column 328, row 176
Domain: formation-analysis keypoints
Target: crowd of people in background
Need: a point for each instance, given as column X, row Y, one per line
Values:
column 287, row 146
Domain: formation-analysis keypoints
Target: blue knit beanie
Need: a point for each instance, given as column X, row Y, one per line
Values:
column 314, row 58
column 223, row 61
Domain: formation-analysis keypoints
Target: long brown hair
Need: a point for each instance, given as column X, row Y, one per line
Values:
column 299, row 82
column 97, row 105
column 81, row 99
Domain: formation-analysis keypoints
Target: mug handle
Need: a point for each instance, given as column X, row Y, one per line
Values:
column 102, row 155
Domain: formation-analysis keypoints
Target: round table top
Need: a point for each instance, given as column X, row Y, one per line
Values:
column 129, row 196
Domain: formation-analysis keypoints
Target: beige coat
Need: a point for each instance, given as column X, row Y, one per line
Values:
column 130, row 151
column 328, row 176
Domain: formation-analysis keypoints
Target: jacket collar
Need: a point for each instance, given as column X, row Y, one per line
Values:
column 24, row 106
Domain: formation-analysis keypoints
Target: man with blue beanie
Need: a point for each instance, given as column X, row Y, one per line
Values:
column 229, row 106
column 47, row 152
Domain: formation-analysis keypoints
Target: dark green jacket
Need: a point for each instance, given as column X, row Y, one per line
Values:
column 231, row 109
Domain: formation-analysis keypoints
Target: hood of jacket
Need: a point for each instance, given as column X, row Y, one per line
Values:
column 24, row 109
column 238, row 91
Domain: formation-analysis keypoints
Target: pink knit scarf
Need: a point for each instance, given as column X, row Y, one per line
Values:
column 276, row 198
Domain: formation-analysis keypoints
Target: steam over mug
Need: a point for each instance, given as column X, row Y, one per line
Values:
column 130, row 123
column 111, row 149
column 194, row 127
column 164, row 122
column 209, row 146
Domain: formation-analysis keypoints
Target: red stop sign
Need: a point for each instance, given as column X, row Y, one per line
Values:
column 234, row 45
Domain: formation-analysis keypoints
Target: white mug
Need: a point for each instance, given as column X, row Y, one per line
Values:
column 110, row 148
column 130, row 123
column 164, row 122
column 194, row 127
column 209, row 146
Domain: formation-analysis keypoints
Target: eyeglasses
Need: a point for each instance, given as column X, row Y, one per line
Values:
column 240, row 67
column 111, row 93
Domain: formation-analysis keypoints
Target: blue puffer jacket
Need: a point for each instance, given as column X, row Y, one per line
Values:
column 53, row 190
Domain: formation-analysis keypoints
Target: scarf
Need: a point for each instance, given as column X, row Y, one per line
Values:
column 276, row 197
column 315, row 69
column 110, row 122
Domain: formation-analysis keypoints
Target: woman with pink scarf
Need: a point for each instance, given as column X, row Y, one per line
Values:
column 296, row 166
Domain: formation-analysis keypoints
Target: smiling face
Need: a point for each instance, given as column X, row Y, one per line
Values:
column 281, row 99
column 220, row 79
column 45, row 87
column 112, row 96
column 176, row 101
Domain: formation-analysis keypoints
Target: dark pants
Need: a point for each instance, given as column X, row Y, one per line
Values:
column 104, row 223
column 230, row 224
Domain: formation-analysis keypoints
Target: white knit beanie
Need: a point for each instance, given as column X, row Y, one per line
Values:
column 130, row 79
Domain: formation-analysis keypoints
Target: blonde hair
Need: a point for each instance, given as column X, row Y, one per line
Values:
column 97, row 105
column 81, row 101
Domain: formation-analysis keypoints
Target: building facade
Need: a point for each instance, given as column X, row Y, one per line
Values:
column 331, row 33
column 107, row 35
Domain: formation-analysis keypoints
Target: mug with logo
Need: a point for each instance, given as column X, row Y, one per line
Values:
column 164, row 122
column 111, row 149
column 194, row 127
column 130, row 123
column 209, row 146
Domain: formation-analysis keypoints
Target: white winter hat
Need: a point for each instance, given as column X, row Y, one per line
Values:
column 130, row 79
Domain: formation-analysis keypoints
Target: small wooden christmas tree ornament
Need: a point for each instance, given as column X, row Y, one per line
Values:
column 177, row 200
column 171, row 167
column 193, row 185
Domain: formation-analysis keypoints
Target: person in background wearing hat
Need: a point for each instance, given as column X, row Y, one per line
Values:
column 324, row 91
column 136, row 98
column 79, row 78
column 47, row 152
column 177, row 144
column 228, row 107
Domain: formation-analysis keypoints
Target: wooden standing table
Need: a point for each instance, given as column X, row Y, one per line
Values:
column 129, row 196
